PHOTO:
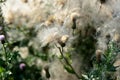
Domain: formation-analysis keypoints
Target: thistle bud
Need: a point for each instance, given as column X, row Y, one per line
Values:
column 73, row 17
column 46, row 68
column 98, row 56
column 2, row 39
column 61, row 43
column 64, row 38
column 108, row 37
column 74, row 24
column 22, row 66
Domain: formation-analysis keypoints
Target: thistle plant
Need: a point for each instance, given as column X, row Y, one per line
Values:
column 73, row 22
column 103, row 64
column 7, row 57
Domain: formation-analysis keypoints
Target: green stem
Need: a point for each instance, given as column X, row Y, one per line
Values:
column 6, row 60
column 67, row 62
column 73, row 32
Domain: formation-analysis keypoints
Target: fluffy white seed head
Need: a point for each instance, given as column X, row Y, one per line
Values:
column 64, row 38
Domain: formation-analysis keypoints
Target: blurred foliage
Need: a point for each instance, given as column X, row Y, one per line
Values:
column 11, row 60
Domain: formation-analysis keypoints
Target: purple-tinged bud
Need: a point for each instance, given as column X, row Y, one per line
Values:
column 2, row 37
column 22, row 66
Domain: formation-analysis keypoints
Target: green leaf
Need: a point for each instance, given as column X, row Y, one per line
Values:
column 2, row 69
column 2, row 62
column 69, row 69
column 85, row 76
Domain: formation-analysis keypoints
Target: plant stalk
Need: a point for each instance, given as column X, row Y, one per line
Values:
column 67, row 62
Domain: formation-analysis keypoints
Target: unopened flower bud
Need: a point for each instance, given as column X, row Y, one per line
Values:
column 74, row 24
column 2, row 38
column 22, row 66
column 46, row 68
column 116, row 38
column 61, row 43
column 108, row 37
column 98, row 55
column 73, row 17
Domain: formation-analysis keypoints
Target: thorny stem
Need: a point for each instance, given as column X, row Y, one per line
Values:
column 67, row 62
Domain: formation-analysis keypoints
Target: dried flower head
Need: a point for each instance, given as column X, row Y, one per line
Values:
column 50, row 20
column 60, row 3
column 62, row 40
column 24, row 1
column 47, row 36
column 9, row 18
column 98, row 55
column 74, row 16
column 52, row 35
